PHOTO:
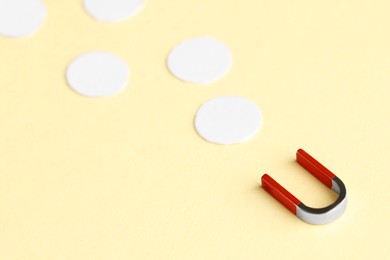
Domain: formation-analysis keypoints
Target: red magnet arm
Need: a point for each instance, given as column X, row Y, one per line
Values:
column 281, row 194
column 315, row 168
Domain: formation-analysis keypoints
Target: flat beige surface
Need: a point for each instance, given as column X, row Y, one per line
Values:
column 127, row 177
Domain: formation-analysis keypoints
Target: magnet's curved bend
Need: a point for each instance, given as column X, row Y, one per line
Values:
column 305, row 213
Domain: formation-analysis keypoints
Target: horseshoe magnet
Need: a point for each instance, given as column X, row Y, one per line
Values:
column 305, row 213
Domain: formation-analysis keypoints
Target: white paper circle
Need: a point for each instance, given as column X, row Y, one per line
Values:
column 112, row 10
column 20, row 18
column 98, row 74
column 200, row 60
column 228, row 120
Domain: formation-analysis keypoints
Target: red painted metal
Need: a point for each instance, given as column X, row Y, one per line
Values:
column 315, row 168
column 281, row 194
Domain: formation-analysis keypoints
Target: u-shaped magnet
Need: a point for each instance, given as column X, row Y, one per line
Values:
column 305, row 213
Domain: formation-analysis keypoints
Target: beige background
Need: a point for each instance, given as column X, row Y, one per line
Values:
column 127, row 177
